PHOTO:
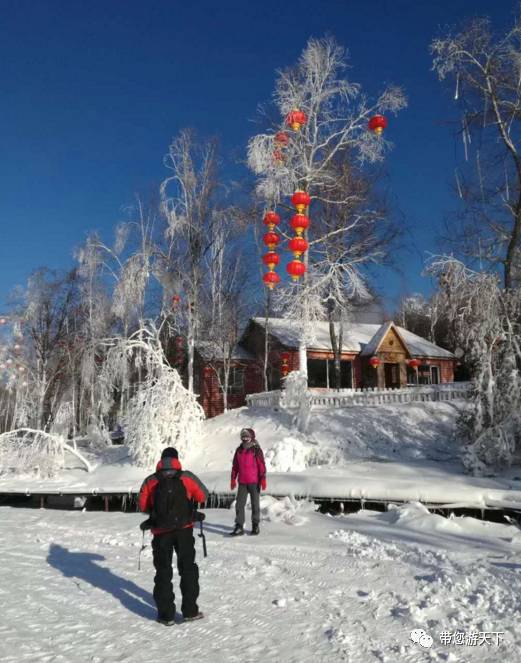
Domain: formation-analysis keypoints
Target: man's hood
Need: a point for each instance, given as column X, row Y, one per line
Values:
column 168, row 463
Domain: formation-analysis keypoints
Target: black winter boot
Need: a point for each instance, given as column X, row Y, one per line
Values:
column 238, row 530
column 255, row 529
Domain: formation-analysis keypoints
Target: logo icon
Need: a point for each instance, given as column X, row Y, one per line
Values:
column 422, row 638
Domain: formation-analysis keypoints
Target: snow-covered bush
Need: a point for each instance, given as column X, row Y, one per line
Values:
column 27, row 451
column 160, row 411
column 297, row 395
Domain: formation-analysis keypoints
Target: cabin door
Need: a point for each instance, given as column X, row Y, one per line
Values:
column 392, row 376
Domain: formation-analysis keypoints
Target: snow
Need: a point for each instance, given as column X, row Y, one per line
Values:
column 349, row 588
column 356, row 337
column 390, row 453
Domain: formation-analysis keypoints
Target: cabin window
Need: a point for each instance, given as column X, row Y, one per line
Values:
column 321, row 373
column 412, row 376
column 235, row 380
column 435, row 375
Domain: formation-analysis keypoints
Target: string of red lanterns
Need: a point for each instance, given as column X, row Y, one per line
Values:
column 284, row 364
column 298, row 245
column 271, row 259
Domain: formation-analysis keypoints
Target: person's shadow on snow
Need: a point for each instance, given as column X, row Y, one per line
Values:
column 83, row 567
column 223, row 530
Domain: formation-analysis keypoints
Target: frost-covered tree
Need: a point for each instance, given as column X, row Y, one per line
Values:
column 485, row 68
column 334, row 136
column 188, row 205
column 44, row 325
column 225, row 300
column 161, row 411
column 485, row 321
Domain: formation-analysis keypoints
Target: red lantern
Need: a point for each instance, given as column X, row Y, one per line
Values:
column 296, row 118
column 285, row 357
column 296, row 269
column 281, row 139
column 375, row 362
column 298, row 245
column 278, row 157
column 299, row 223
column 271, row 260
column 271, row 219
column 271, row 240
column 271, row 279
column 413, row 363
column 301, row 200
column 377, row 124
column 175, row 300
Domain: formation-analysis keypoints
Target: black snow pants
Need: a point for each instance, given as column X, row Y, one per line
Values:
column 163, row 545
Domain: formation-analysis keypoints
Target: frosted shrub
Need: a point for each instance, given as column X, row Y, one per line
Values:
column 26, row 451
column 162, row 413
column 485, row 321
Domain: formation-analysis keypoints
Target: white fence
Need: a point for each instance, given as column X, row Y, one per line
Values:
column 346, row 397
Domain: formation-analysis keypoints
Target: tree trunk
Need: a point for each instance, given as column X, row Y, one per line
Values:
column 512, row 247
column 336, row 345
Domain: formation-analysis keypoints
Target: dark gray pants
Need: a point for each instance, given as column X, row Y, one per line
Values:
column 242, row 496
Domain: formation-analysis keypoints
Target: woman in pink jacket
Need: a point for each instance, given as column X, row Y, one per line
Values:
column 249, row 468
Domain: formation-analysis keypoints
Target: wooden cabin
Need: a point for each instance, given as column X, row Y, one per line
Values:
column 394, row 347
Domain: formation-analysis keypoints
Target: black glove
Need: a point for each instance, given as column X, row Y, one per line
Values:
column 146, row 524
column 198, row 516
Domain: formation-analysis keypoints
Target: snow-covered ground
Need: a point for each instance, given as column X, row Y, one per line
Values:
column 391, row 453
column 310, row 588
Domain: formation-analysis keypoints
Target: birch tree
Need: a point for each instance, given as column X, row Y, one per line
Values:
column 188, row 200
column 485, row 69
column 485, row 321
column 335, row 132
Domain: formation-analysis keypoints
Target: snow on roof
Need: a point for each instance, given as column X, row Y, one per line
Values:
column 357, row 336
column 374, row 343
column 208, row 350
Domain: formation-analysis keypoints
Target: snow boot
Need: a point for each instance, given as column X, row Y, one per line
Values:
column 166, row 622
column 199, row 615
column 255, row 529
column 238, row 530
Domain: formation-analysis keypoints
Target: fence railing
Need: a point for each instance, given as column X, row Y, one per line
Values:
column 346, row 397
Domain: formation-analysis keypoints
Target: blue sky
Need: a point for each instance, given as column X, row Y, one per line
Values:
column 92, row 92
